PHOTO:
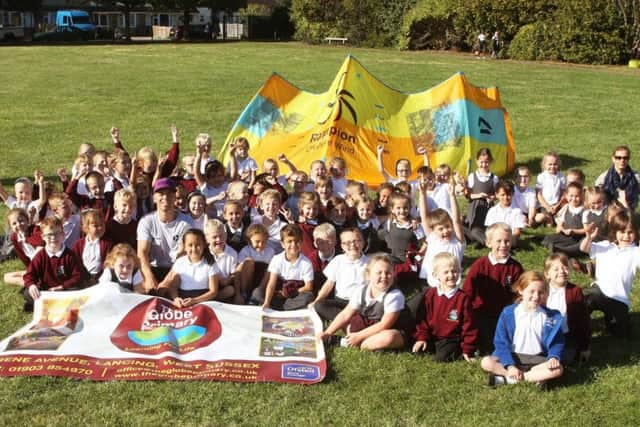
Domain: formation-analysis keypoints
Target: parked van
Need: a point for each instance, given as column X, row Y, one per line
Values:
column 71, row 25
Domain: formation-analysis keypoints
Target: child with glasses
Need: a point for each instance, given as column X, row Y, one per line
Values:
column 56, row 268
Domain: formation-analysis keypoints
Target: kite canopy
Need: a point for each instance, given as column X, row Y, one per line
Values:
column 452, row 121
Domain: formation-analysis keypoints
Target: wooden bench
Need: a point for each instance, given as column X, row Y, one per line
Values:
column 336, row 39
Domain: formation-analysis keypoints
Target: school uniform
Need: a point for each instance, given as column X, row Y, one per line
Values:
column 92, row 254
column 227, row 261
column 291, row 277
column 236, row 237
column 347, row 275
column 319, row 263
column 307, row 247
column 435, row 245
column 105, row 204
column 128, row 283
column 119, row 232
column 478, row 208
column 551, row 186
column 448, row 324
column 194, row 276
column 576, row 323
column 260, row 262
column 599, row 219
column 27, row 244
column 402, row 241
column 523, row 336
column 71, row 228
column 513, row 217
column 615, row 271
column 274, row 232
column 523, row 200
column 48, row 270
column 571, row 218
column 369, row 231
column 488, row 285
column 371, row 310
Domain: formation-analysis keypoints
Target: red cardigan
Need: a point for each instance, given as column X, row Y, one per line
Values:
column 578, row 318
column 105, row 247
column 34, row 238
column 448, row 318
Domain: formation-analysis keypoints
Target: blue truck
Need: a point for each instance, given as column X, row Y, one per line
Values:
column 71, row 25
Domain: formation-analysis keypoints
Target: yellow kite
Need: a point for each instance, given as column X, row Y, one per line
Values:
column 452, row 121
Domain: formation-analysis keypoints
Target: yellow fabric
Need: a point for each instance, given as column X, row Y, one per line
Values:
column 452, row 120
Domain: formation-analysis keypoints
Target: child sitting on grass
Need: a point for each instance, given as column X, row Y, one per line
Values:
column 194, row 277
column 56, row 268
column 122, row 266
column 617, row 261
column 529, row 342
column 489, row 281
column 448, row 325
column 290, row 283
column 375, row 318
column 27, row 242
column 344, row 274
column 92, row 249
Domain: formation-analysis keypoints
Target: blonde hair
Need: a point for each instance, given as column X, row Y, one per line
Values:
column 203, row 139
column 125, row 195
column 51, row 222
column 146, row 153
column 325, row 230
column 121, row 250
column 269, row 194
column 56, row 198
column 439, row 217
column 493, row 228
column 444, row 259
column 557, row 256
column 308, row 197
column 211, row 225
column 379, row 257
column 548, row 154
column 90, row 216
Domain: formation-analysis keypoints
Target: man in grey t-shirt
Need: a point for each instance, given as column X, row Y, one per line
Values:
column 160, row 234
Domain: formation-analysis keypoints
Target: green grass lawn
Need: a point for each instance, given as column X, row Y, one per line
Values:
column 54, row 98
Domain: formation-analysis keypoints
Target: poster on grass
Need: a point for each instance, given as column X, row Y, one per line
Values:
column 104, row 334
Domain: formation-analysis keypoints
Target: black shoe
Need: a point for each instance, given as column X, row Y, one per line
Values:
column 496, row 380
column 332, row 341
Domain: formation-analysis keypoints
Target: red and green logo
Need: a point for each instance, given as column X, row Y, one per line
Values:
column 155, row 326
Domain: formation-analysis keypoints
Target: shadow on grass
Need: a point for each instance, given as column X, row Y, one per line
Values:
column 607, row 351
column 567, row 161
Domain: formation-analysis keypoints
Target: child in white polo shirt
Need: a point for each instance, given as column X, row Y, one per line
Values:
column 290, row 284
column 504, row 212
column 344, row 273
column 617, row 261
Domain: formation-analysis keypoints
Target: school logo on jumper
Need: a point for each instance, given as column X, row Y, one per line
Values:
column 453, row 315
column 155, row 326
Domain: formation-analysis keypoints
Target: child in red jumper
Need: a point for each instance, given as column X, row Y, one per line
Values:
column 488, row 283
column 568, row 299
column 448, row 325
column 27, row 242
column 56, row 268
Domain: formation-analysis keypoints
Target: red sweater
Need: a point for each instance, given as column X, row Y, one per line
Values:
column 448, row 318
column 122, row 233
column 85, row 202
column 307, row 238
column 578, row 318
column 170, row 164
column 47, row 272
column 318, row 267
column 489, row 286
column 33, row 237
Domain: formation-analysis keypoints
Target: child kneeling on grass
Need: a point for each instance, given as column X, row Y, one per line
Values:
column 529, row 342
column 376, row 317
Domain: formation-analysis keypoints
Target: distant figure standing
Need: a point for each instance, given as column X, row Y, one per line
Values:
column 495, row 44
column 207, row 31
column 482, row 43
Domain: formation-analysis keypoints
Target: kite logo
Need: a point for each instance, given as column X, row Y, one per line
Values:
column 155, row 326
column 485, row 127
column 342, row 101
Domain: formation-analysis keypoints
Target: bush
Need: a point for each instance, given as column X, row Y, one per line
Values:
column 428, row 25
column 533, row 42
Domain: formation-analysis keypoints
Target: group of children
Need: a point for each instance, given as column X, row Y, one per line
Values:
column 387, row 270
